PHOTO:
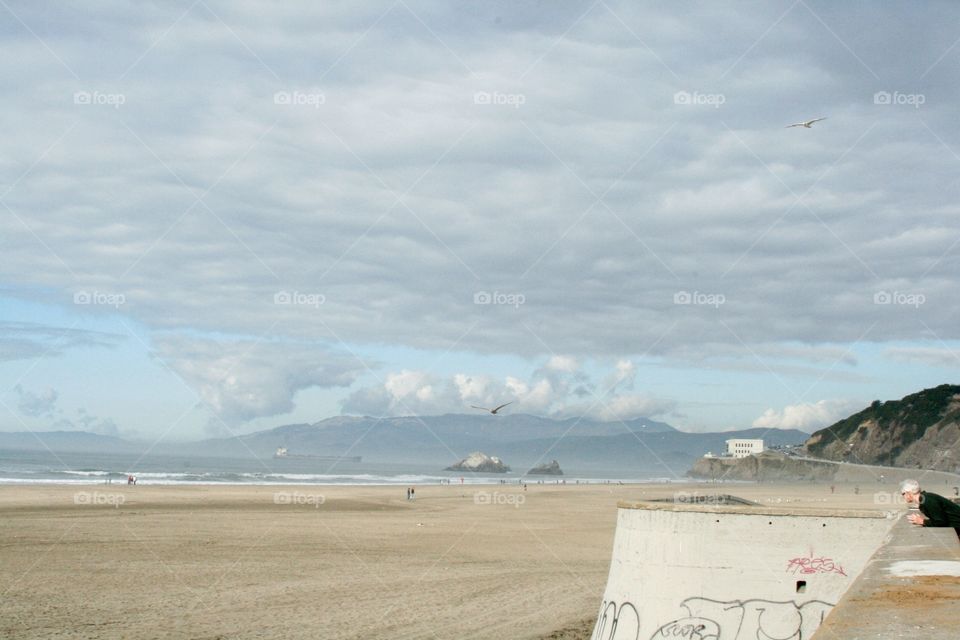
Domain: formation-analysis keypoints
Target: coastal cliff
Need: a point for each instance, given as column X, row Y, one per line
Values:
column 919, row 431
column 765, row 466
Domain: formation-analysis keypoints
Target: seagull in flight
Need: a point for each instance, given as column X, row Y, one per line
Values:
column 493, row 411
column 807, row 124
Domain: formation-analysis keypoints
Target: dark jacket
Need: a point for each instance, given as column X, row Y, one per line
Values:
column 940, row 511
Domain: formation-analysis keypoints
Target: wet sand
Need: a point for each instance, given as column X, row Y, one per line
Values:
column 482, row 562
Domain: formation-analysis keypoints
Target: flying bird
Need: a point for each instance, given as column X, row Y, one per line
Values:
column 493, row 411
column 807, row 124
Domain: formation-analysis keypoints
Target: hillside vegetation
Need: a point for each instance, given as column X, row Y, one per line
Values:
column 921, row 430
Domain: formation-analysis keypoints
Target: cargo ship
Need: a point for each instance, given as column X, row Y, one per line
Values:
column 282, row 452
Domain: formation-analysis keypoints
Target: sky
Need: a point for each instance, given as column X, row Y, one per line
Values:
column 223, row 216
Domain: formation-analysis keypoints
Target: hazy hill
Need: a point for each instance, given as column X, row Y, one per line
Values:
column 642, row 446
column 920, row 430
column 77, row 441
column 423, row 437
column 519, row 439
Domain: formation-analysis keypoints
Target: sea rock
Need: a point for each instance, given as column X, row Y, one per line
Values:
column 480, row 462
column 551, row 468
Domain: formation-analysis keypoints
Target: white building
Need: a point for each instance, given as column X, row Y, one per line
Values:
column 743, row 447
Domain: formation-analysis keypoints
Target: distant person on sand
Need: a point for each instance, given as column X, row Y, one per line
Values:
column 936, row 510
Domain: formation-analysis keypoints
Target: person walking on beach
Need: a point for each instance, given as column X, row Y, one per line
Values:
column 935, row 510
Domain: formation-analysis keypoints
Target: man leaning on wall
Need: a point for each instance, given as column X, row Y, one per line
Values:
column 935, row 510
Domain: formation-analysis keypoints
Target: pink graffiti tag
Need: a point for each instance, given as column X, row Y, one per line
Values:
column 808, row 565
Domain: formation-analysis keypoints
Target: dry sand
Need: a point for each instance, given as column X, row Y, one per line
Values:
column 485, row 562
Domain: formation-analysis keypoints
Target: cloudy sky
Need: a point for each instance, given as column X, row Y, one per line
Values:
column 220, row 216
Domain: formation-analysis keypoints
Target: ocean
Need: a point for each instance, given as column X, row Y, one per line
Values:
column 45, row 467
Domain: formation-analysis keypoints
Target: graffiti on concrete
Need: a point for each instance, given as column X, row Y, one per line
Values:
column 708, row 619
column 809, row 564
column 689, row 629
column 617, row 622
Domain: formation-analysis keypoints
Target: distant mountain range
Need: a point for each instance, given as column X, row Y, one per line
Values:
column 920, row 430
column 520, row 440
column 646, row 446
column 72, row 441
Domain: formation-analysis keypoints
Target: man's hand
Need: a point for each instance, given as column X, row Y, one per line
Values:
column 916, row 518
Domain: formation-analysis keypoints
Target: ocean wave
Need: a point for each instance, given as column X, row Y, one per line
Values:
column 93, row 475
column 156, row 478
column 89, row 472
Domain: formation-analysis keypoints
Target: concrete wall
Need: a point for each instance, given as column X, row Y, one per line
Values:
column 730, row 573
column 909, row 589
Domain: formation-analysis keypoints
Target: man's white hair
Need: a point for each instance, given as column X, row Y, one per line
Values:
column 909, row 486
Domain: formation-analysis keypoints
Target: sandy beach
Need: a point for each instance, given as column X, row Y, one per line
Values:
column 332, row 562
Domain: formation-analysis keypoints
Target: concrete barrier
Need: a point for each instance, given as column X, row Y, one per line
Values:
column 909, row 589
column 698, row 572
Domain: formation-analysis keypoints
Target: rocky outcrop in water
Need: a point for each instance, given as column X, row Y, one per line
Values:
column 478, row 462
column 551, row 468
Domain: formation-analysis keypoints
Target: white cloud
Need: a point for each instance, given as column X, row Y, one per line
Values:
column 44, row 405
column 931, row 356
column 397, row 199
column 551, row 390
column 300, row 207
column 623, row 376
column 470, row 387
column 627, row 407
column 84, row 421
column 28, row 340
column 243, row 379
column 39, row 404
column 405, row 384
column 563, row 364
column 807, row 417
column 540, row 397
